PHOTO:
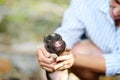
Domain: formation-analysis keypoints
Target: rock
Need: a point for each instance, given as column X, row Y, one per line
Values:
column 19, row 67
column 5, row 65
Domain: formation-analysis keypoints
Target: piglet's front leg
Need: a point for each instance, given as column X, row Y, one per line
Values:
column 58, row 75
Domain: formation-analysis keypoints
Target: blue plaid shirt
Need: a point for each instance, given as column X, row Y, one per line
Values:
column 92, row 17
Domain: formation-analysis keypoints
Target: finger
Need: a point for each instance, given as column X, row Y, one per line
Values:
column 58, row 66
column 64, row 67
column 42, row 64
column 67, row 49
column 64, row 57
column 39, row 51
column 43, row 59
column 66, row 52
column 44, row 51
column 48, row 69
column 61, row 64
column 65, row 64
column 54, row 55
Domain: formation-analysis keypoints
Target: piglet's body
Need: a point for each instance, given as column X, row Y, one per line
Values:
column 55, row 45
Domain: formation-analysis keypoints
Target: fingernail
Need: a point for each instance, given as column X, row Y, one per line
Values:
column 57, row 59
column 55, row 67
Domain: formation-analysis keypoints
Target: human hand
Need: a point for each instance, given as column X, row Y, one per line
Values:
column 44, row 59
column 65, row 61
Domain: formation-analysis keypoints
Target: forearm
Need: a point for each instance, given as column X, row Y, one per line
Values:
column 93, row 62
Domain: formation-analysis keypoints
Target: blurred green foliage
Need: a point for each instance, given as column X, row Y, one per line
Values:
column 2, row 2
column 30, row 20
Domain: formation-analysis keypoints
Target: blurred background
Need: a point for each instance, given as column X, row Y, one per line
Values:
column 23, row 23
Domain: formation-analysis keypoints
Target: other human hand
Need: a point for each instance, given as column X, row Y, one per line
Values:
column 65, row 61
column 44, row 59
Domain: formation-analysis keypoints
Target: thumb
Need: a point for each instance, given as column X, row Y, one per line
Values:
column 44, row 51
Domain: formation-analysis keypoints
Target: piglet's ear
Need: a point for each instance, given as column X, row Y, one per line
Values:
column 46, row 40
